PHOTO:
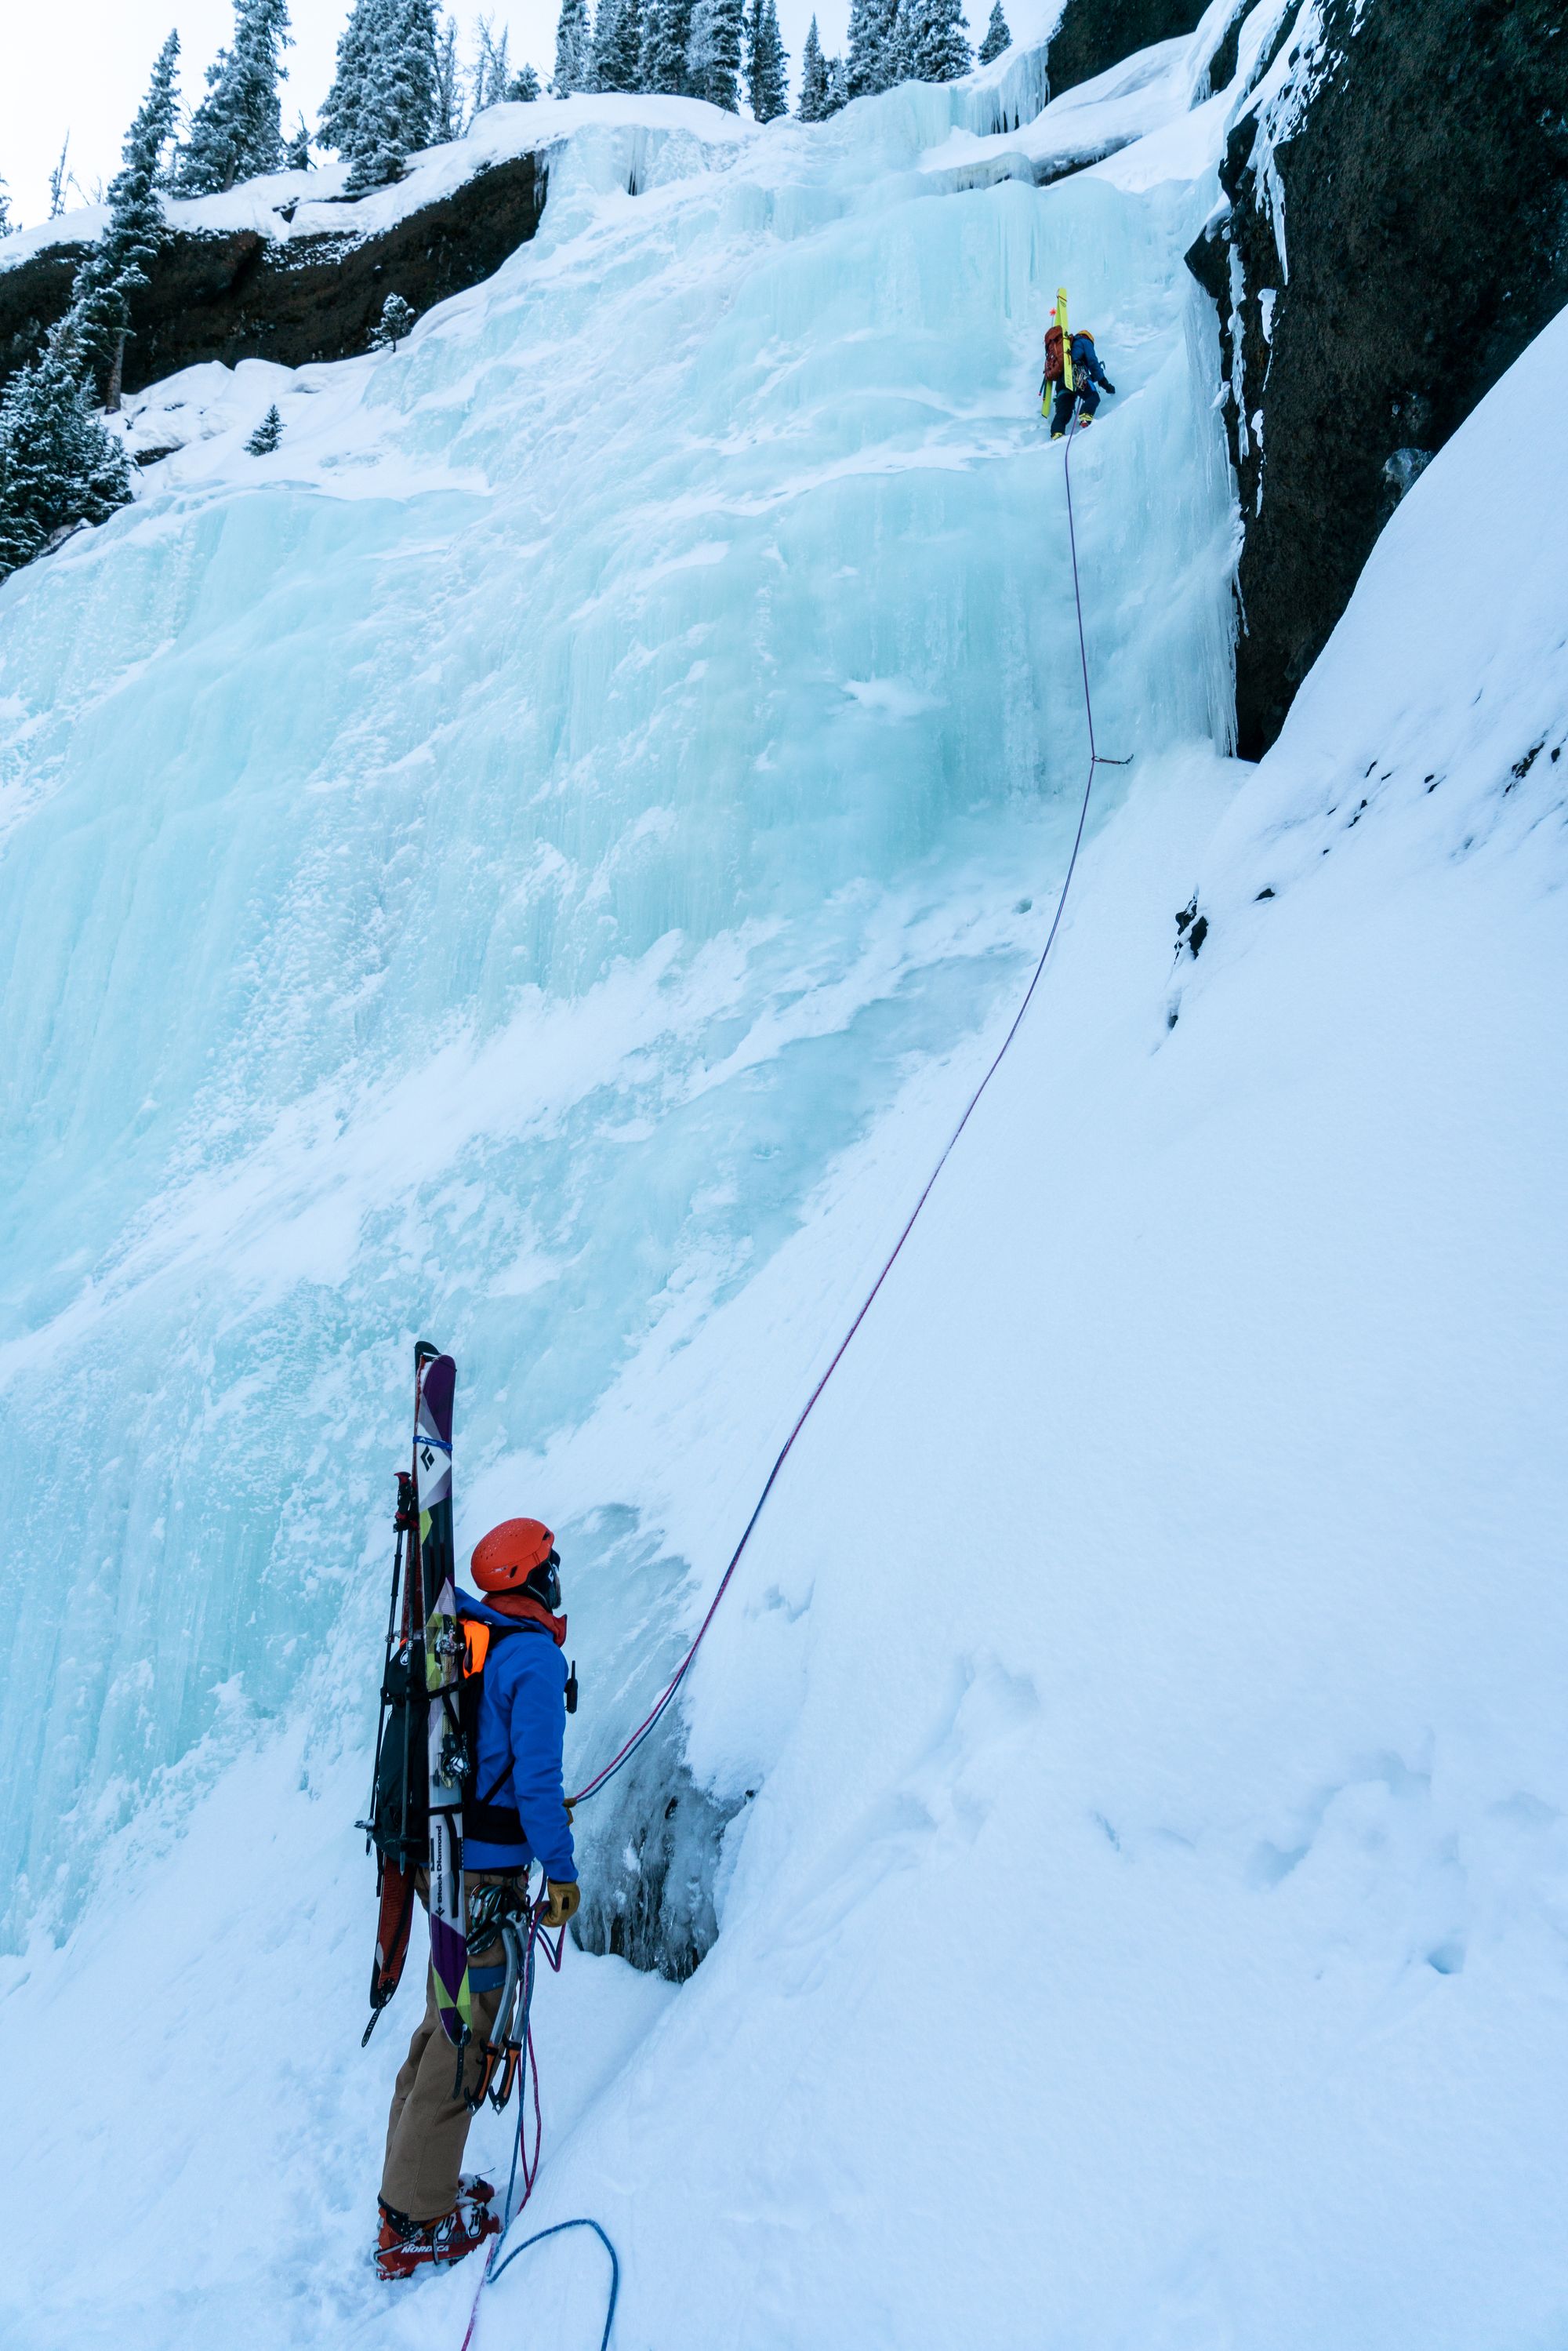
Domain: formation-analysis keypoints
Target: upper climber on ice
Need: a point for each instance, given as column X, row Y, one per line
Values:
column 1088, row 379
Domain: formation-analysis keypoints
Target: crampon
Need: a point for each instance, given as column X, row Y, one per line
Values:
column 404, row 2247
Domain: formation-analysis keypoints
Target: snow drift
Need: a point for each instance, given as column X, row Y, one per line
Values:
column 539, row 861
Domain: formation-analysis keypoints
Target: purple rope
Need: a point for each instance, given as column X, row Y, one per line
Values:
column 625, row 1754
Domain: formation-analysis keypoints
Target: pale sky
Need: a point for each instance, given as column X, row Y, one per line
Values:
column 83, row 65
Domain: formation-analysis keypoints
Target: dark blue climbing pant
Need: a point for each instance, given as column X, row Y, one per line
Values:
column 1084, row 392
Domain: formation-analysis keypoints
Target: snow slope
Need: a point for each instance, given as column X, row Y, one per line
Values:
column 1145, row 1926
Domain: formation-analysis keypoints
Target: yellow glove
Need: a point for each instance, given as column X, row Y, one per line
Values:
column 562, row 1904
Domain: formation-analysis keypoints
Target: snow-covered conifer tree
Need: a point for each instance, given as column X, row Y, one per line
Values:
column 838, row 85
column 937, row 41
column 339, row 112
column 627, row 60
column 766, row 62
column 870, row 21
column 667, row 38
column 813, row 77
column 898, row 43
column 267, row 434
column 102, row 291
column 59, row 463
column 712, row 54
column 447, row 117
column 4, row 211
column 237, row 131
column 296, row 148
column 59, row 180
column 395, row 110
column 606, row 53
column 997, row 36
column 492, row 68
column 524, row 87
column 396, row 320
column 573, row 49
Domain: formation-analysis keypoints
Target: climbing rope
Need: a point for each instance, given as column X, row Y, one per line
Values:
column 528, row 2072
column 624, row 1755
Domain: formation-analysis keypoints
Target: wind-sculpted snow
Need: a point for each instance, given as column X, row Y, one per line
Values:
column 473, row 871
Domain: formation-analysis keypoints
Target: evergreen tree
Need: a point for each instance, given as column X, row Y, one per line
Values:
column 106, row 280
column 395, row 111
column 606, row 50
column 338, row 122
column 524, row 87
column 573, row 49
column 623, row 69
column 297, row 153
column 813, row 79
column 865, row 66
column 267, row 434
column 492, row 66
column 59, row 180
column 667, row 37
column 838, row 85
column 447, row 121
column 713, row 53
column 766, row 62
column 938, row 45
column 997, row 36
column 4, row 211
column 237, row 131
column 59, row 463
column 898, row 44
column 396, row 320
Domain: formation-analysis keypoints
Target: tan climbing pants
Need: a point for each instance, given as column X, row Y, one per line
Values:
column 428, row 2126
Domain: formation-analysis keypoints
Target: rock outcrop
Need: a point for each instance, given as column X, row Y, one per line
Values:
column 1397, row 233
column 1095, row 34
column 238, row 295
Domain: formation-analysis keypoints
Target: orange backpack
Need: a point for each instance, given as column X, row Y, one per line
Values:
column 1053, row 355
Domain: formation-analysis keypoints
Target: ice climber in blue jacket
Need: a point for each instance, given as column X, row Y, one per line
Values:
column 516, row 1816
column 1089, row 380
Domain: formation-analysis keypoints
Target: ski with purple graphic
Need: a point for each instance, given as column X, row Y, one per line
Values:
column 437, row 1378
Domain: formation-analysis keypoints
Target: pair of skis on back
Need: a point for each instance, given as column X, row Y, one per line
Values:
column 421, row 1757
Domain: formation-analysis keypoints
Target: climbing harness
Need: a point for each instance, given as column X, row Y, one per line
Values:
column 624, row 1755
column 511, row 2038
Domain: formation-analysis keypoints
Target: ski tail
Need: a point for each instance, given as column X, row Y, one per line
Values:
column 1066, row 338
column 393, row 1931
column 396, row 1822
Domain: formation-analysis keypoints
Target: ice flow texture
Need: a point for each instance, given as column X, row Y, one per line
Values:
column 480, row 875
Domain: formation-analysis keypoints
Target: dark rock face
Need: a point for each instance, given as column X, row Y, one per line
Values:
column 243, row 296
column 1416, row 165
column 1095, row 34
column 649, row 1858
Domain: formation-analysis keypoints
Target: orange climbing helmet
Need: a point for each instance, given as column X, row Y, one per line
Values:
column 510, row 1553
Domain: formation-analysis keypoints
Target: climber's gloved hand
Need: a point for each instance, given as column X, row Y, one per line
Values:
column 1111, row 387
column 563, row 1903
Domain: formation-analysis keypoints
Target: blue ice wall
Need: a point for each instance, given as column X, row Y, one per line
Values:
column 473, row 873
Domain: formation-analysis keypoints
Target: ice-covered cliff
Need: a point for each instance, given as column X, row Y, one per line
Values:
column 539, row 860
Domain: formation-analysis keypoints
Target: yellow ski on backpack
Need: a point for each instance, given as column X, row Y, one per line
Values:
column 1049, row 384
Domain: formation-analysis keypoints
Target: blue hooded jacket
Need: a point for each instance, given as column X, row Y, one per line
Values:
column 1086, row 359
column 522, row 1725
